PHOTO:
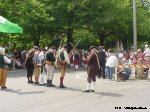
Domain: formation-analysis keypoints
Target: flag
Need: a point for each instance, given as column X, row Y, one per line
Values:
column 8, row 27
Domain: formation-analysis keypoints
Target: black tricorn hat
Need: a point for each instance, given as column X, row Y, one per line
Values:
column 65, row 46
column 101, row 47
column 92, row 47
column 35, row 47
column 53, row 47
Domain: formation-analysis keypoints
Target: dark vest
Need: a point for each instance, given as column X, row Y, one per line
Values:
column 103, row 56
column 29, row 58
column 50, row 56
column 2, row 62
column 62, row 57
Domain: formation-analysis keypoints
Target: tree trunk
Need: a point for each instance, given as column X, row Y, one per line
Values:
column 69, row 38
column 37, row 41
column 101, row 38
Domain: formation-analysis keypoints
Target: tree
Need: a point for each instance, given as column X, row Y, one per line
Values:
column 67, row 17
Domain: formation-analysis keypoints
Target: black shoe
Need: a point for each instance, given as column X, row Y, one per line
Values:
column 42, row 84
column 62, row 86
column 86, row 91
column 37, row 83
column 3, row 87
column 31, row 82
column 52, row 85
column 99, row 76
column 92, row 91
column 48, row 83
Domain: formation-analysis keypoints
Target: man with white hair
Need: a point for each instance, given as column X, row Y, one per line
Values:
column 146, row 54
column 3, row 71
column 42, row 67
column 37, row 64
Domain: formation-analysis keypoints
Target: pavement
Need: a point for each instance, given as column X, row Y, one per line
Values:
column 109, row 96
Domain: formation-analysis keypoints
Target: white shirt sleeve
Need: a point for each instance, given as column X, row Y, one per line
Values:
column 116, row 61
column 147, row 52
column 8, row 61
column 66, row 57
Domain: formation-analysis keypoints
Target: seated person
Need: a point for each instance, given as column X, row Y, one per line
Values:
column 124, row 73
column 18, row 64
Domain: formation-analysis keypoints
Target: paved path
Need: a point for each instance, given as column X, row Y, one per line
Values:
column 23, row 97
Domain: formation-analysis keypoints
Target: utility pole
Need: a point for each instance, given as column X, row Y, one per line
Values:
column 134, row 26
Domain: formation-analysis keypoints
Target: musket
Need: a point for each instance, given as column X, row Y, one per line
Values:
column 60, row 45
column 71, row 44
column 75, row 46
column 56, row 65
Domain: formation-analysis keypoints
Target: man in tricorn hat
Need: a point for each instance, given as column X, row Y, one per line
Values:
column 3, row 71
column 49, row 65
column 92, row 70
column 30, row 64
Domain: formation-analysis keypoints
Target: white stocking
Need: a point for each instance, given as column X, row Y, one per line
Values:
column 93, row 85
column 88, row 86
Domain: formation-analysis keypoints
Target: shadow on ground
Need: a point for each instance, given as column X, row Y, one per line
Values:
column 19, row 92
column 109, row 94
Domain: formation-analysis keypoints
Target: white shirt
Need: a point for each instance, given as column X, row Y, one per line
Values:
column 66, row 57
column 42, row 56
column 36, row 59
column 112, row 61
column 147, row 52
column 8, row 61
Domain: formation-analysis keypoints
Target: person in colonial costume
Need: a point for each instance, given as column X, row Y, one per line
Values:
column 37, row 64
column 30, row 64
column 63, row 61
column 49, row 65
column 3, row 72
column 92, row 69
column 42, row 67
column 76, row 59
column 84, row 60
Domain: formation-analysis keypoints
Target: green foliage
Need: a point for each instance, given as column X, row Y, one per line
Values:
column 95, row 22
column 87, row 39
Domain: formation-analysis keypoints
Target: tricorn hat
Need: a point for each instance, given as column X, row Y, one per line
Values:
column 92, row 47
column 53, row 47
column 35, row 47
column 65, row 46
